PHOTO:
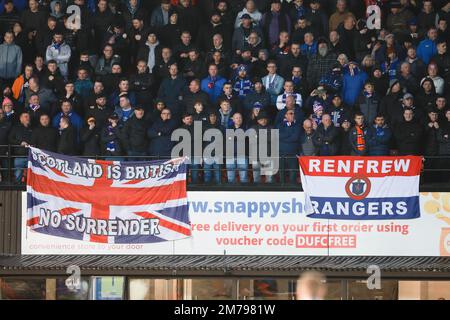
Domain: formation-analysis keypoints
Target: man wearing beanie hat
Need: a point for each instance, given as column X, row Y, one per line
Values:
column 99, row 111
column 208, row 30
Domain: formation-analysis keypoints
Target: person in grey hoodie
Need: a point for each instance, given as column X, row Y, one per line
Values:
column 10, row 59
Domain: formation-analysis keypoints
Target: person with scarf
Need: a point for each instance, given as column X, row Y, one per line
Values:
column 60, row 52
column 111, row 138
column 242, row 84
column 359, row 135
column 338, row 110
column 150, row 51
column 316, row 116
column 288, row 91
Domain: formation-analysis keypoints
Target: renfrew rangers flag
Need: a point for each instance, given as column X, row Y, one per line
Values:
column 107, row 201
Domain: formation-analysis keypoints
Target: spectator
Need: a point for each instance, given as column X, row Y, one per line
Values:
column 359, row 136
column 307, row 146
column 150, row 51
column 111, row 139
column 252, row 11
column 289, row 135
column 258, row 95
column 10, row 59
column 288, row 91
column 67, row 137
column 260, row 165
column 409, row 134
column 317, row 18
column 21, row 82
column 320, row 63
column 240, row 35
column 5, row 128
column 431, row 145
column 45, row 136
column 213, row 84
column 338, row 111
column 20, row 137
column 142, row 84
column 444, row 144
column 432, row 73
column 74, row 119
column 159, row 134
column 160, row 16
column 60, row 52
column 326, row 137
column 427, row 47
column 273, row 82
column 442, row 60
column 90, row 138
column 379, row 137
column 369, row 103
column 354, row 80
column 339, row 16
column 275, row 21
column 134, row 135
column 212, row 162
column 106, row 61
column 237, row 160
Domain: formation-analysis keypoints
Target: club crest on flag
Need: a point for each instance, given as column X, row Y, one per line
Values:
column 358, row 187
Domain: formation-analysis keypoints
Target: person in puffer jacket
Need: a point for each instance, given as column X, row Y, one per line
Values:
column 380, row 136
column 369, row 103
column 10, row 59
column 60, row 52
column 353, row 83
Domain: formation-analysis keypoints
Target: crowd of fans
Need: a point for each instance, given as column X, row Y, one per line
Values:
column 118, row 78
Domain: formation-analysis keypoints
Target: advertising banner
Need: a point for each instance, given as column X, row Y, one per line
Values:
column 275, row 223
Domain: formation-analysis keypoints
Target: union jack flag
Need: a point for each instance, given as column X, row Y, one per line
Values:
column 93, row 200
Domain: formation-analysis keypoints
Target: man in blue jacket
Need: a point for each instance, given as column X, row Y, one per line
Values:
column 427, row 48
column 213, row 83
column 354, row 79
column 67, row 110
column 379, row 137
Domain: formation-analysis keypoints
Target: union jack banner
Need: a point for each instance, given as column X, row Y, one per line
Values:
column 107, row 201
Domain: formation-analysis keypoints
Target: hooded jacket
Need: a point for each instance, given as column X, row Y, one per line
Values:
column 10, row 61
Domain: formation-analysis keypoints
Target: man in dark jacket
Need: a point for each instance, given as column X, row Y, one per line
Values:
column 20, row 136
column 90, row 139
column 326, row 138
column 171, row 91
column 207, row 31
column 99, row 111
column 379, row 137
column 45, row 136
column 265, row 164
column 359, row 136
column 409, row 134
column 5, row 128
column 290, row 135
column 67, row 137
column 320, row 63
column 111, row 139
column 134, row 135
column 143, row 84
column 160, row 135
column 194, row 95
column 369, row 103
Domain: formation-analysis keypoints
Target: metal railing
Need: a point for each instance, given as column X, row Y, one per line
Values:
column 435, row 171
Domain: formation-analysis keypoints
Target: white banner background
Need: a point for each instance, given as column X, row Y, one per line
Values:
column 277, row 226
